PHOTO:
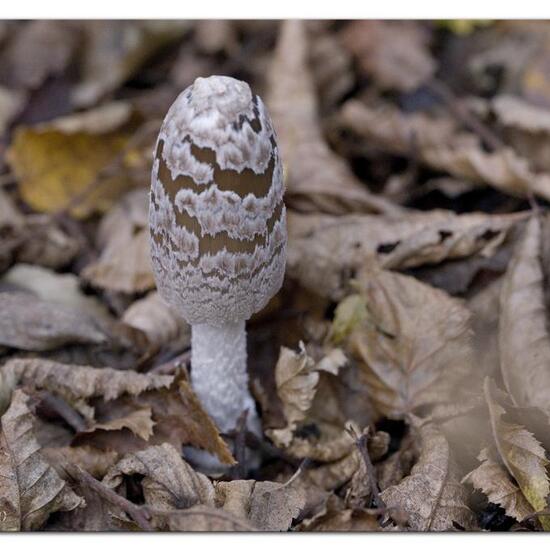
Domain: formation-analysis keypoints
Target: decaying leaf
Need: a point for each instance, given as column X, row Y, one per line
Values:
column 267, row 505
column 28, row 323
column 138, row 421
column 524, row 342
column 432, row 496
column 203, row 519
column 439, row 145
column 161, row 325
column 414, row 344
column 125, row 263
column 394, row 53
column 337, row 517
column 326, row 252
column 523, row 456
column 177, row 413
column 168, row 482
column 74, row 382
column 314, row 173
column 59, row 162
column 297, row 376
column 31, row 489
column 494, row 481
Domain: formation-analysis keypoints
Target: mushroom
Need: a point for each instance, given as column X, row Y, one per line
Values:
column 218, row 231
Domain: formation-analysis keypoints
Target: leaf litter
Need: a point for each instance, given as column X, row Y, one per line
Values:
column 400, row 375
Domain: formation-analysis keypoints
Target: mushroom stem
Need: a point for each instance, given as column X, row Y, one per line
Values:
column 218, row 372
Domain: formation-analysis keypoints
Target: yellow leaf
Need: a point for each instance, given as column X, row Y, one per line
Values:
column 62, row 164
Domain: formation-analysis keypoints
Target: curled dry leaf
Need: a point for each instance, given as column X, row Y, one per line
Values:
column 394, row 53
column 437, row 144
column 523, row 456
column 161, row 325
column 413, row 344
column 269, row 506
column 335, row 516
column 524, row 342
column 124, row 264
column 74, row 382
column 168, row 482
column 58, row 163
column 432, row 496
column 316, row 177
column 29, row 323
column 178, row 415
column 296, row 378
column 494, row 481
column 138, row 421
column 515, row 112
column 31, row 489
column 326, row 252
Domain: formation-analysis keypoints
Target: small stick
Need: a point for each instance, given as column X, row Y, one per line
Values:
column 138, row 513
column 64, row 410
column 303, row 465
column 184, row 359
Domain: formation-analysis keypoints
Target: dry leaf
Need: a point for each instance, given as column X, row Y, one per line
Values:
column 414, row 346
column 203, row 519
column 139, row 422
column 439, row 145
column 125, row 263
column 493, row 480
column 168, row 481
column 267, row 505
column 296, row 377
column 326, row 252
column 28, row 323
column 74, row 382
column 523, row 456
column 161, row 325
column 59, row 162
column 31, row 489
column 524, row 342
column 316, row 177
column 432, row 496
column 394, row 53
column 337, row 517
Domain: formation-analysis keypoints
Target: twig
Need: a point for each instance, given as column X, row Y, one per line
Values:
column 64, row 410
column 138, row 513
column 171, row 366
column 361, row 442
column 303, row 465
column 465, row 116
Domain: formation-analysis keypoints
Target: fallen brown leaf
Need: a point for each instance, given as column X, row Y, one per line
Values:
column 31, row 489
column 432, row 496
column 524, row 342
column 413, row 344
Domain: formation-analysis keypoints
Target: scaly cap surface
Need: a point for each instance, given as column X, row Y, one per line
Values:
column 217, row 217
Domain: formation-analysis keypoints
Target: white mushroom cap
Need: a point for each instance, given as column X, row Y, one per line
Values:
column 217, row 217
